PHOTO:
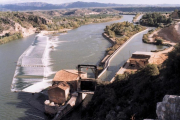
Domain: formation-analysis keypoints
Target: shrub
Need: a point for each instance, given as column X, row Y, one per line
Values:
column 159, row 41
column 151, row 70
column 43, row 27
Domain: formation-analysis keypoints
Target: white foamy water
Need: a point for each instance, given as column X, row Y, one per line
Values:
column 33, row 66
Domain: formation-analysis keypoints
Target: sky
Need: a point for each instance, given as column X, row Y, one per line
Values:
column 101, row 1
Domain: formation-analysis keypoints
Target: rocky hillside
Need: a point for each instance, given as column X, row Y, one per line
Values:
column 134, row 96
column 15, row 22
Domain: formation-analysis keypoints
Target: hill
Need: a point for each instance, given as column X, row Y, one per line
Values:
column 15, row 25
column 28, row 6
column 135, row 96
column 22, row 24
column 46, row 6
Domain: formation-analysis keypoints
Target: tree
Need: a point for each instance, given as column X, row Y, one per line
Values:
column 159, row 41
column 151, row 70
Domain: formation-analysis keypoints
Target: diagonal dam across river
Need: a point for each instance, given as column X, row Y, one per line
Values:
column 31, row 70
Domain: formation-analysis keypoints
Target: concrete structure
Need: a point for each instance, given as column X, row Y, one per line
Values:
column 75, row 100
column 70, row 76
column 60, row 111
column 59, row 93
column 137, row 60
column 140, row 59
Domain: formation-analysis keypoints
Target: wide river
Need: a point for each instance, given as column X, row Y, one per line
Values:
column 84, row 45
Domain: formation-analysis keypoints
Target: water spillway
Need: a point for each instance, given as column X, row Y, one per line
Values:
column 31, row 69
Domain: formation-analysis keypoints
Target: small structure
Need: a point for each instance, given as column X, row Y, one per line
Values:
column 87, row 84
column 71, row 84
column 70, row 76
column 140, row 59
column 59, row 93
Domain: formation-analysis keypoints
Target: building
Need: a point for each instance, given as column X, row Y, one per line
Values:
column 59, row 93
column 70, row 76
column 140, row 59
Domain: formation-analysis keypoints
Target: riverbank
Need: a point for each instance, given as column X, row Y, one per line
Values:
column 158, row 56
column 106, row 65
column 152, row 38
column 137, row 17
column 117, row 41
column 27, row 32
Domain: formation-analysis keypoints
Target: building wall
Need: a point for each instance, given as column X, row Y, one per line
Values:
column 58, row 95
column 73, row 84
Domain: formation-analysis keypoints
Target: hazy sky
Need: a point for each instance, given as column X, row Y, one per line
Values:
column 101, row 1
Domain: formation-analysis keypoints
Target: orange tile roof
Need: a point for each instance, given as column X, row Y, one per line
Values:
column 66, row 75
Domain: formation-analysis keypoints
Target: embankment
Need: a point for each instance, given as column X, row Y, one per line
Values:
column 111, row 40
column 116, row 52
column 153, row 37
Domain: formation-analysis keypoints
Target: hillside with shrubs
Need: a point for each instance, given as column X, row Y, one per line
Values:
column 134, row 96
column 15, row 25
column 121, row 32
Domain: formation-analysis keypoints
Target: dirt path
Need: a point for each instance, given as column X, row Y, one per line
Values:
column 150, row 37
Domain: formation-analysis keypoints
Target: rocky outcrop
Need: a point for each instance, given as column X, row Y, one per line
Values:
column 169, row 108
column 25, row 31
column 25, row 23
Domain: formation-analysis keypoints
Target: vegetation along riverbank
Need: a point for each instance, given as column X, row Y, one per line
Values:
column 118, row 34
column 27, row 23
column 135, row 18
column 166, row 34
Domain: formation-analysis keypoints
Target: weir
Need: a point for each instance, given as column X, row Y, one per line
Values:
column 31, row 69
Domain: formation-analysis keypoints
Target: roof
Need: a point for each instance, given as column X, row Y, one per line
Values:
column 138, row 59
column 66, row 75
column 143, row 53
column 62, row 85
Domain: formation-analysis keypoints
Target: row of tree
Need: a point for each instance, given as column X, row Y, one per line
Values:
column 155, row 20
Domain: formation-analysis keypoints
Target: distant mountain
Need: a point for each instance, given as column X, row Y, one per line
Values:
column 45, row 6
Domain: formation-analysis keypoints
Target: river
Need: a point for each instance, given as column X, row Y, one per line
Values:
column 84, row 45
